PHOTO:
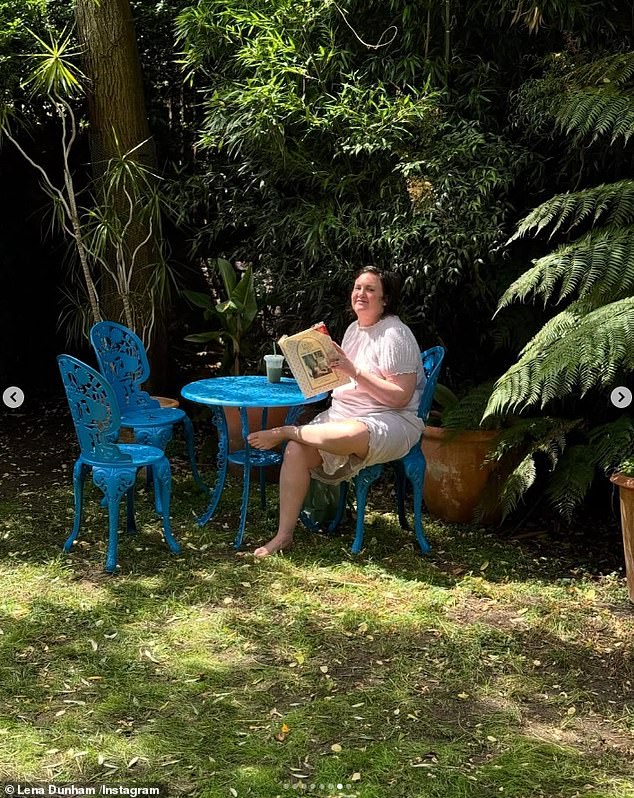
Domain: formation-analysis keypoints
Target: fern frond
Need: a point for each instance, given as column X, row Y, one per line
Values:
column 613, row 442
column 558, row 326
column 596, row 112
column 601, row 262
column 529, row 435
column 611, row 203
column 467, row 413
column 617, row 69
column 571, row 479
column 517, row 483
column 588, row 355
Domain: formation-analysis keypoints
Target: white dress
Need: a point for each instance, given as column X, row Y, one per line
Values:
column 386, row 348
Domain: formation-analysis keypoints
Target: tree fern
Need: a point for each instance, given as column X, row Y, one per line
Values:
column 613, row 442
column 572, row 478
column 600, row 263
column 612, row 204
column 517, row 483
column 585, row 355
column 595, row 112
column 617, row 69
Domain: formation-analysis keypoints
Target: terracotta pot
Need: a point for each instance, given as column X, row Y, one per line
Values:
column 455, row 476
column 626, row 496
column 165, row 401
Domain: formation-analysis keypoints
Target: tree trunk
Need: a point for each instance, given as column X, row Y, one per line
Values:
column 118, row 124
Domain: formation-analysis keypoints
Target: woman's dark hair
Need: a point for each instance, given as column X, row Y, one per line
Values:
column 391, row 285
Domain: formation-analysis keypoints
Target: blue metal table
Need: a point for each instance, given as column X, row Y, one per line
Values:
column 243, row 393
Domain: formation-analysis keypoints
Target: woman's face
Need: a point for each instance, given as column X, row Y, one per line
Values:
column 367, row 298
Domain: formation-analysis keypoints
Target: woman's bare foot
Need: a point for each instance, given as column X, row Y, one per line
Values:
column 278, row 543
column 266, row 438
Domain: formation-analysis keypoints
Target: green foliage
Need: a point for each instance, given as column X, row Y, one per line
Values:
column 598, row 265
column 234, row 315
column 612, row 205
column 323, row 154
column 101, row 218
column 587, row 345
column 466, row 413
column 53, row 71
column 522, row 444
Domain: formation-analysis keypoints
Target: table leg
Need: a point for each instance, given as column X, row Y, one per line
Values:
column 293, row 414
column 265, row 418
column 246, row 478
column 220, row 423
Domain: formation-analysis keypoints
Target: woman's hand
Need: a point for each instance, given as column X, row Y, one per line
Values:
column 342, row 362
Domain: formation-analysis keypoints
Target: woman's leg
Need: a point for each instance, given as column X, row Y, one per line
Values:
column 294, row 482
column 300, row 456
column 337, row 437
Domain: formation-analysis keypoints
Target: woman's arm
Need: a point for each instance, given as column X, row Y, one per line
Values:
column 395, row 390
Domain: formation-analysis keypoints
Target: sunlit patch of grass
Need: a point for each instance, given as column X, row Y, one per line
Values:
column 478, row 670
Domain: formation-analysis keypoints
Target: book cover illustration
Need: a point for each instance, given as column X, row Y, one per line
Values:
column 307, row 354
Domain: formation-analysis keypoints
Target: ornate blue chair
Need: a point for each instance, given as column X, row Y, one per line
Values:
column 123, row 362
column 412, row 466
column 114, row 466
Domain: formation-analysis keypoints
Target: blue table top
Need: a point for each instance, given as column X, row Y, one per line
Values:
column 247, row 391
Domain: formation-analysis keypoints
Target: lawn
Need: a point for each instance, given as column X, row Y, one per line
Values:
column 490, row 667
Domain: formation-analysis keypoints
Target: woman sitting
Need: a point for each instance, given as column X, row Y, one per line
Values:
column 372, row 419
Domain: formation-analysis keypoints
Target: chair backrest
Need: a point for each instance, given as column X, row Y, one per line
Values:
column 432, row 360
column 123, row 362
column 94, row 410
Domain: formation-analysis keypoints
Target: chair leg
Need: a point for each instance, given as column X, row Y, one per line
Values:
column 79, row 475
column 158, row 437
column 163, row 477
column 415, row 474
column 130, row 519
column 363, row 481
column 400, row 488
column 188, row 432
column 113, row 482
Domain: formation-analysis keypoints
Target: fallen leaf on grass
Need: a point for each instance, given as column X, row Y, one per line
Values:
column 355, row 776
column 336, row 748
column 323, row 668
column 148, row 655
column 233, row 792
column 282, row 734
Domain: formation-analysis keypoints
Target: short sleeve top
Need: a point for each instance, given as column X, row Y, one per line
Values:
column 386, row 348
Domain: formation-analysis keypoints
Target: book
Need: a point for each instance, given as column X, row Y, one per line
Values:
column 307, row 354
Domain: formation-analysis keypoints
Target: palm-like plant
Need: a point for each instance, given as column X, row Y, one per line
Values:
column 588, row 344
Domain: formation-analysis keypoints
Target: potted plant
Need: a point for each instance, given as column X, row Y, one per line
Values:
column 479, row 465
column 232, row 319
column 624, row 478
column 457, row 449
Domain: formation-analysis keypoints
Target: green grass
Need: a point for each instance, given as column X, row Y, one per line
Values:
column 479, row 670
